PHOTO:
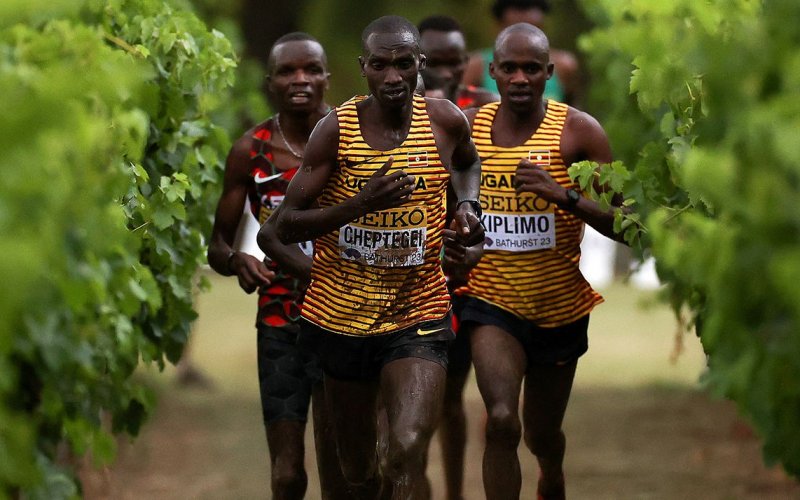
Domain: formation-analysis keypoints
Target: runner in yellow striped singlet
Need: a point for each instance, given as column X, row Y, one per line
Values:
column 530, row 267
column 526, row 306
column 371, row 194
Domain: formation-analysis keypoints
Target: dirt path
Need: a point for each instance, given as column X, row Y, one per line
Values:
column 637, row 426
column 649, row 443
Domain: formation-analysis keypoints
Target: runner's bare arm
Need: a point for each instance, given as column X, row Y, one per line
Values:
column 289, row 258
column 299, row 219
column 583, row 138
column 459, row 153
column 250, row 271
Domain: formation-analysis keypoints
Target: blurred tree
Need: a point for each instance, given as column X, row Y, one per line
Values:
column 264, row 21
column 338, row 25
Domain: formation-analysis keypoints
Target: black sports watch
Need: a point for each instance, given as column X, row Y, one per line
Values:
column 572, row 199
column 476, row 206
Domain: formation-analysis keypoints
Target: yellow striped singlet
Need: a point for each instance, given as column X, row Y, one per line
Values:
column 381, row 273
column 532, row 251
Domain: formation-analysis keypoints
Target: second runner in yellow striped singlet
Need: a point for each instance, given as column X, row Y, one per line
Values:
column 381, row 273
column 530, row 265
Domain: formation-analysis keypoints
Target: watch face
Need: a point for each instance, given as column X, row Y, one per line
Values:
column 573, row 195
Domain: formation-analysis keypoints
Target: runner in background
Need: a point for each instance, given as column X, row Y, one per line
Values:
column 442, row 41
column 564, row 86
column 259, row 167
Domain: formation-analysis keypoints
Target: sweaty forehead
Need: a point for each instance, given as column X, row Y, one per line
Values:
column 394, row 41
column 297, row 50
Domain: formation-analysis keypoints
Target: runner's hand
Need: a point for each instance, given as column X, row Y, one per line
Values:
column 387, row 191
column 469, row 230
column 458, row 259
column 252, row 273
column 531, row 178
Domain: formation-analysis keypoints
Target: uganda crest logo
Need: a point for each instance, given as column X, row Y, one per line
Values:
column 417, row 159
column 539, row 157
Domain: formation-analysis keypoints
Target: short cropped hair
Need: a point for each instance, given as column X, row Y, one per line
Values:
column 294, row 36
column 530, row 29
column 389, row 24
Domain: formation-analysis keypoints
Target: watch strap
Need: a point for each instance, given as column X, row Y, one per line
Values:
column 475, row 204
column 573, row 196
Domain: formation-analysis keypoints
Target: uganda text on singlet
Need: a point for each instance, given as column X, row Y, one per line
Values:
column 530, row 265
column 381, row 273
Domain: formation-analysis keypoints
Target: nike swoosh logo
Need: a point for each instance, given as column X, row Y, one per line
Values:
column 260, row 180
column 420, row 331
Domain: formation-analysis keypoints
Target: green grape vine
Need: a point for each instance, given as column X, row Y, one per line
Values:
column 110, row 162
column 700, row 102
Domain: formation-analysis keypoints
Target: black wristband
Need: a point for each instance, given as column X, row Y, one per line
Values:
column 476, row 206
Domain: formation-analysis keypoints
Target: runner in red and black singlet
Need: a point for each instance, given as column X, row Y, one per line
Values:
column 279, row 301
column 259, row 168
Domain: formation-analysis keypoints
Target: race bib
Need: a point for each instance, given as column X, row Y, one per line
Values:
column 519, row 232
column 389, row 238
column 516, row 223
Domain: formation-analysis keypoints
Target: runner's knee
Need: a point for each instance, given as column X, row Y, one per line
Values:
column 289, row 480
column 503, row 425
column 405, row 449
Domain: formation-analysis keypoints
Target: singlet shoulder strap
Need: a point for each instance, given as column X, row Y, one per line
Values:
column 556, row 113
column 349, row 131
column 482, row 124
column 260, row 151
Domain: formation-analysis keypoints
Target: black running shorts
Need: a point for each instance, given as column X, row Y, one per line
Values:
column 552, row 346
column 286, row 375
column 346, row 357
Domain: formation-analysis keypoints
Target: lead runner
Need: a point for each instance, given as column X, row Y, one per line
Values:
column 379, row 315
